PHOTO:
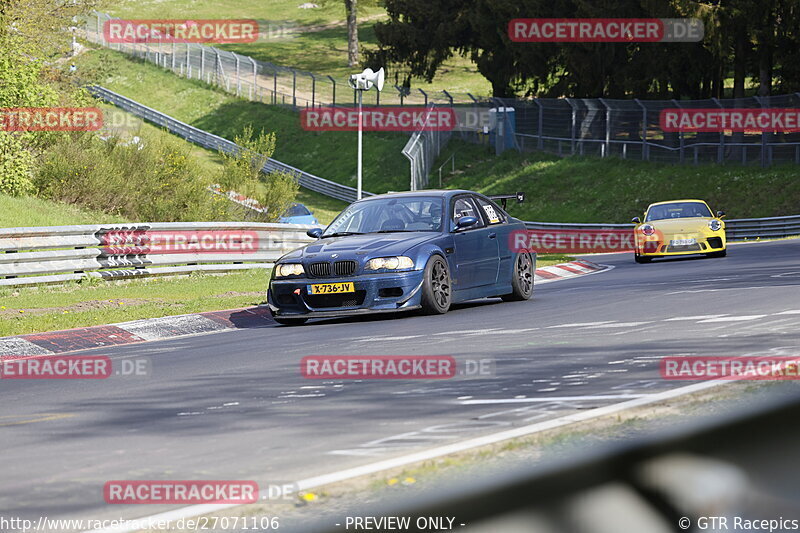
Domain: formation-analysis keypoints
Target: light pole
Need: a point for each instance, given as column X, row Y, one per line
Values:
column 364, row 82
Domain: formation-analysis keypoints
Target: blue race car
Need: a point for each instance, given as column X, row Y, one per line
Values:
column 298, row 214
column 394, row 252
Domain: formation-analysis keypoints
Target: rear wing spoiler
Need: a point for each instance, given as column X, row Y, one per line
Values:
column 504, row 198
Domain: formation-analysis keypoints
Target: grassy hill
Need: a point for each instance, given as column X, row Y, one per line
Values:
column 331, row 155
column 27, row 211
column 574, row 189
column 583, row 189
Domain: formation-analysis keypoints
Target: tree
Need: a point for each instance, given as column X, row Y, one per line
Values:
column 350, row 7
column 755, row 39
column 351, row 10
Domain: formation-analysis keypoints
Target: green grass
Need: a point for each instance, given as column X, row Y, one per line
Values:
column 90, row 303
column 49, row 308
column 261, row 10
column 331, row 154
column 317, row 41
column 584, row 189
column 28, row 211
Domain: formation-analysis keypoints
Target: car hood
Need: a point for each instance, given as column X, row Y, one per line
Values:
column 681, row 225
column 361, row 246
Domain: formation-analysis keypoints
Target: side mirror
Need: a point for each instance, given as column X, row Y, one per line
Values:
column 465, row 222
column 315, row 233
column 720, row 214
column 636, row 220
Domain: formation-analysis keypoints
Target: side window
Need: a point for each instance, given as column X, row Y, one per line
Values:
column 493, row 214
column 464, row 207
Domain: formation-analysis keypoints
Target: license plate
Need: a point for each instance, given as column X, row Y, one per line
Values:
column 332, row 288
column 683, row 242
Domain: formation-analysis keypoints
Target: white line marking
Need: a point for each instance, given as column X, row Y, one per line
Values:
column 425, row 455
column 698, row 317
column 555, row 399
column 579, row 324
column 369, row 339
column 620, row 325
column 790, row 312
column 726, row 289
column 732, row 319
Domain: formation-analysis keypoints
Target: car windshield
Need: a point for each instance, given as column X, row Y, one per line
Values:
column 393, row 214
column 297, row 210
column 678, row 210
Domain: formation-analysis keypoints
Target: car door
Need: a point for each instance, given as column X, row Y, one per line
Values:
column 476, row 248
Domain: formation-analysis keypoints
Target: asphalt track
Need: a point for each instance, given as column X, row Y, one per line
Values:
column 233, row 405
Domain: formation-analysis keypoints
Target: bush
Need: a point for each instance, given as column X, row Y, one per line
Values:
column 242, row 173
column 16, row 166
column 153, row 181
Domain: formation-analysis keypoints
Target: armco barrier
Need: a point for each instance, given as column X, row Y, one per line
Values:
column 215, row 142
column 743, row 229
column 63, row 253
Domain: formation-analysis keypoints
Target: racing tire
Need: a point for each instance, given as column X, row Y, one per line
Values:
column 290, row 321
column 521, row 279
column 721, row 253
column 436, row 287
column 641, row 260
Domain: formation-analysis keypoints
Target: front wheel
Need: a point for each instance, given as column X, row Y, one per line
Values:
column 521, row 279
column 436, row 287
column 290, row 321
column 641, row 260
column 721, row 253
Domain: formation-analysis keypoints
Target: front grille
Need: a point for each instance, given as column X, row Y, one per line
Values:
column 344, row 268
column 714, row 242
column 320, row 270
column 687, row 248
column 348, row 299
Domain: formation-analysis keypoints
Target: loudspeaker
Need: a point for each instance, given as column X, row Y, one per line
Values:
column 367, row 79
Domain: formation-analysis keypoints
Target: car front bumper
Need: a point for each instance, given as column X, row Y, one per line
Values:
column 662, row 248
column 383, row 292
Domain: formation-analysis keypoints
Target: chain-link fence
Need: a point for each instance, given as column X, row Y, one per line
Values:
column 250, row 78
column 422, row 149
column 633, row 129
column 629, row 129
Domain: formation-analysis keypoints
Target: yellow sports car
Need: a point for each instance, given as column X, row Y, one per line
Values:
column 680, row 227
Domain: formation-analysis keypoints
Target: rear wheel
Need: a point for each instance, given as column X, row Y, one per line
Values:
column 290, row 321
column 521, row 279
column 436, row 287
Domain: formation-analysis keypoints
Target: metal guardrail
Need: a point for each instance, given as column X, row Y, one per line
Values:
column 215, row 142
column 742, row 229
column 41, row 255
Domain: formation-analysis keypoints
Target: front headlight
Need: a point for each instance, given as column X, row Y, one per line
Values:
column 390, row 263
column 648, row 230
column 289, row 269
column 714, row 225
